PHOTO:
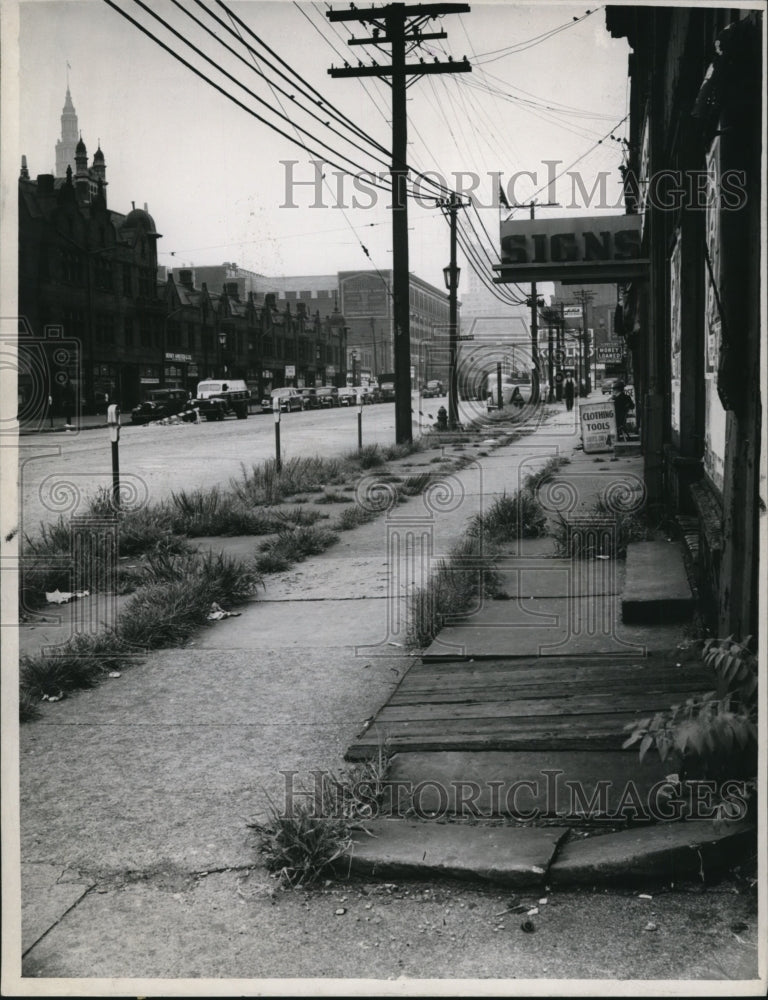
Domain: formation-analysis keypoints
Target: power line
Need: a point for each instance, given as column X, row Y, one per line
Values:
column 531, row 42
column 233, row 99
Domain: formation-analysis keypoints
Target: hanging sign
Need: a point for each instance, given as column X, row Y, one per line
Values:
column 592, row 248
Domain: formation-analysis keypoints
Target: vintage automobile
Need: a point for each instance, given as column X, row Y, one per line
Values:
column 327, row 396
column 217, row 398
column 159, row 403
column 290, row 399
column 309, row 400
column 433, row 388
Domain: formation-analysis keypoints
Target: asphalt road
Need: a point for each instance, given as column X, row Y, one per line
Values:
column 58, row 471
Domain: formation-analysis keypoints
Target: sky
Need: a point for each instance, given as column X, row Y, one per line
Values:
column 215, row 178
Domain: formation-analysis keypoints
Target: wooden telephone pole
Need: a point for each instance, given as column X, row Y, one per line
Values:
column 533, row 302
column 399, row 26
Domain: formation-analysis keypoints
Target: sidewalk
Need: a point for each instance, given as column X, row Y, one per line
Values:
column 133, row 794
column 83, row 423
column 516, row 713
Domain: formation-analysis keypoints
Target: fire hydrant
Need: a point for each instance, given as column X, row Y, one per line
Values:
column 442, row 419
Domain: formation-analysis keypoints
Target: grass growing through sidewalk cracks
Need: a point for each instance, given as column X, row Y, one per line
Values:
column 601, row 531
column 308, row 841
column 165, row 611
column 463, row 578
column 293, row 545
column 265, row 484
column 520, row 515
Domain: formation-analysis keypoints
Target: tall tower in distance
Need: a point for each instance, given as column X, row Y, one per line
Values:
column 65, row 146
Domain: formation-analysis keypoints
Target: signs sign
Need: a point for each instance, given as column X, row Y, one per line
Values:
column 598, row 426
column 593, row 248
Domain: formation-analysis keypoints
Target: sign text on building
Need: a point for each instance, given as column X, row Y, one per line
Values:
column 594, row 248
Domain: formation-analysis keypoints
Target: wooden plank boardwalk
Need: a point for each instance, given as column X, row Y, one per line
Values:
column 524, row 704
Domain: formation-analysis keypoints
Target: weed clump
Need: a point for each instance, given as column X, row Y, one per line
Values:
column 465, row 576
column 307, row 842
column 293, row 545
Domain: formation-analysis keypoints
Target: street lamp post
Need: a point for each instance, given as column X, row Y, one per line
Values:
column 451, row 276
column 222, row 345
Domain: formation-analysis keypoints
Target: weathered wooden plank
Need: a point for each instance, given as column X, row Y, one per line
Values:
column 409, row 695
column 572, row 706
column 397, row 742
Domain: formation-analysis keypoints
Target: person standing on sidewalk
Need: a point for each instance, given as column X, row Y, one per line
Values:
column 568, row 391
column 622, row 404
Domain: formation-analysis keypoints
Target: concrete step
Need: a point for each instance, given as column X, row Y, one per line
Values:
column 562, row 787
column 666, row 853
column 622, row 448
column 656, row 588
column 527, row 857
column 507, row 855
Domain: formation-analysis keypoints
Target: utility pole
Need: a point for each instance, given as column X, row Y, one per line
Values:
column 373, row 339
column 397, row 25
column 583, row 297
column 533, row 302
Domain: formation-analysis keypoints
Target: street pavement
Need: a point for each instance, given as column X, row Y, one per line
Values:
column 136, row 858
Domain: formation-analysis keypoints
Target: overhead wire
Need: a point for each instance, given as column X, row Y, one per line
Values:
column 532, row 42
column 363, row 247
column 228, row 95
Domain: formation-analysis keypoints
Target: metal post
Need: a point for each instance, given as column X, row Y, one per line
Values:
column 359, row 422
column 498, row 386
column 276, row 410
column 550, row 368
column 50, row 411
column 113, row 422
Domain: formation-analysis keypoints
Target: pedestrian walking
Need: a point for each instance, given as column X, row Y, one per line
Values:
column 568, row 392
column 622, row 404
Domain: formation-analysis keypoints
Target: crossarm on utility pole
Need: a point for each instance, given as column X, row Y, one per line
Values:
column 396, row 25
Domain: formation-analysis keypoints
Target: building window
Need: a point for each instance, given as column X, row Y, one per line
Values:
column 146, row 282
column 103, row 274
column 71, row 267
column 127, row 281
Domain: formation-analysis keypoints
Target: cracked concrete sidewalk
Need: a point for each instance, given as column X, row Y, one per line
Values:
column 135, row 793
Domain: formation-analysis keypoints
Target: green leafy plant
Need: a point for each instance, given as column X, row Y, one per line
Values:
column 712, row 735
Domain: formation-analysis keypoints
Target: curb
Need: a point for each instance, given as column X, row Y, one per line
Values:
column 536, row 856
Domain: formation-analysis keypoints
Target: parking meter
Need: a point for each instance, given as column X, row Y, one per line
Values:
column 276, row 408
column 113, row 422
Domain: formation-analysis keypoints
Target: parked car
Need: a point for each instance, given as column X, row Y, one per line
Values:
column 433, row 388
column 159, row 403
column 309, row 400
column 387, row 391
column 216, row 398
column 368, row 392
column 290, row 399
column 347, row 395
column 328, row 396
